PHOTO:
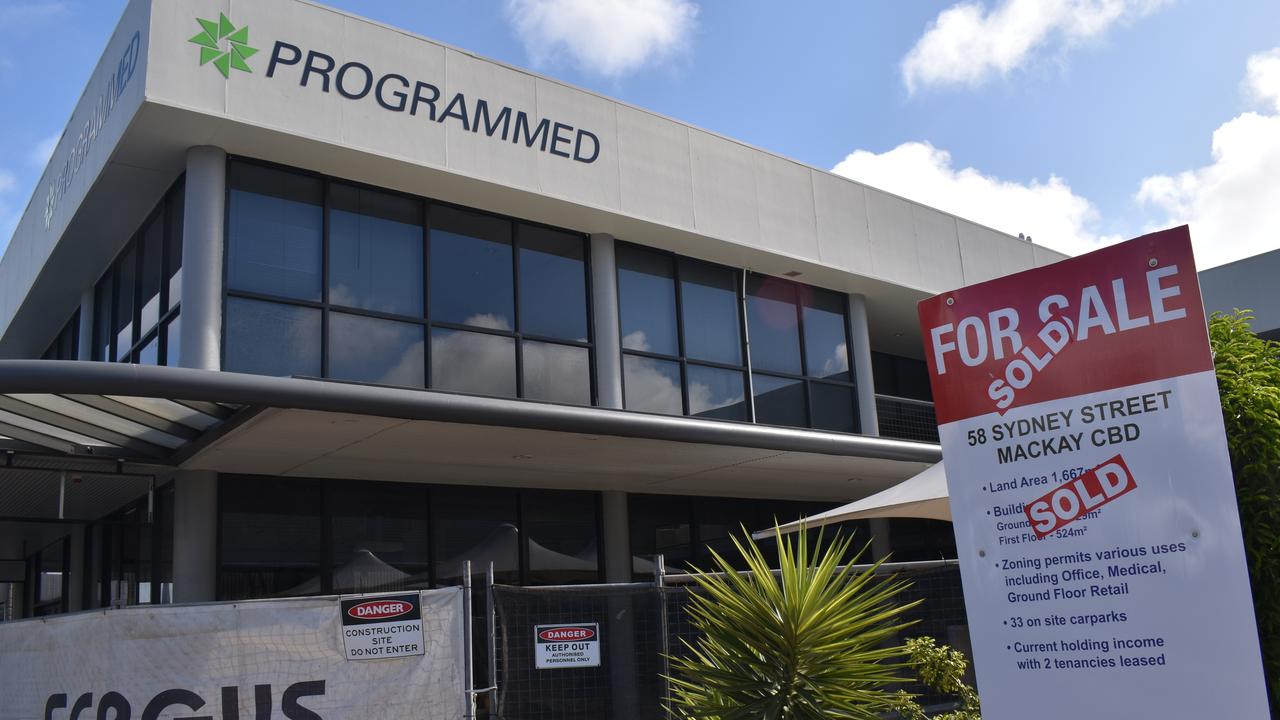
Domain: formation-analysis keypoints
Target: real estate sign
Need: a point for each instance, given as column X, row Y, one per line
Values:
column 1091, row 490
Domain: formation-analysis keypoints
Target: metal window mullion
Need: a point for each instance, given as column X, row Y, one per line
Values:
column 516, row 303
column 684, row 369
column 426, row 314
column 592, row 370
column 326, row 200
column 804, row 356
column 746, row 344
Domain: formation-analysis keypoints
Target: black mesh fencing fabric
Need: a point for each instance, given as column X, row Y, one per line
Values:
column 638, row 626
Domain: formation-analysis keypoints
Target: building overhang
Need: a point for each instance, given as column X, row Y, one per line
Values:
column 175, row 418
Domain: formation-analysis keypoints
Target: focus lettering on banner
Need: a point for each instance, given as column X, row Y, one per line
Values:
column 1091, row 491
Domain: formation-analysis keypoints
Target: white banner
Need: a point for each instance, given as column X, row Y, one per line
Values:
column 227, row 661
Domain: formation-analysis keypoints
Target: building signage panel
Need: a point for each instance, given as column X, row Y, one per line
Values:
column 1091, row 490
column 377, row 627
column 561, row 646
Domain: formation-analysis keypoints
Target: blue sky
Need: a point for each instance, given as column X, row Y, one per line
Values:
column 1079, row 122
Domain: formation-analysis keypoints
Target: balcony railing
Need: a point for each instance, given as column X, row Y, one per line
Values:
column 906, row 419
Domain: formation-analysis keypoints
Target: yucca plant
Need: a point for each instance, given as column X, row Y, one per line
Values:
column 807, row 643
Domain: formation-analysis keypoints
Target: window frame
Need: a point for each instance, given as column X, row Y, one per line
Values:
column 425, row 321
column 682, row 358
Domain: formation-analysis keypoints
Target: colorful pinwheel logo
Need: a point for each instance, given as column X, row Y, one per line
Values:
column 237, row 49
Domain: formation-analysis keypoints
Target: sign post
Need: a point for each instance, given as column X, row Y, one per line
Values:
column 1091, row 490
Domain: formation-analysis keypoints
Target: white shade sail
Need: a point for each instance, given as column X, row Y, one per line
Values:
column 921, row 496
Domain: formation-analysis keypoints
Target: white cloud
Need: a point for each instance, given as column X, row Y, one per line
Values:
column 1050, row 212
column 968, row 43
column 43, row 150
column 605, row 37
column 1233, row 203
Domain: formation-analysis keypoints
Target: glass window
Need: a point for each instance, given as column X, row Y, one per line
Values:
column 126, row 277
column 719, row 520
column 151, row 245
column 556, row 373
column 833, row 407
column 772, row 324
column 471, row 269
column 149, row 354
column 709, row 307
column 173, row 342
column 102, row 302
column 275, row 233
column 560, row 528
column 652, row 385
column 647, row 300
column 826, row 350
column 379, row 537
column 270, row 537
column 660, row 525
column 373, row 350
column 476, row 524
column 717, row 393
column 779, row 401
column 266, row 338
column 553, row 284
column 375, row 251
column 473, row 362
column 173, row 259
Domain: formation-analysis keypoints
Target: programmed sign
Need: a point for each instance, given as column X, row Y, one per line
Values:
column 561, row 646
column 1091, row 490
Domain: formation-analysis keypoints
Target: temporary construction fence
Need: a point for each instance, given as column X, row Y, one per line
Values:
column 618, row 671
column 296, row 658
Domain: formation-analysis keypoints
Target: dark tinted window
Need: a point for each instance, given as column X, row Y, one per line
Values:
column 151, row 245
column 375, row 251
column 275, row 234
column 557, row 373
column 270, row 537
column 379, row 537
column 553, row 284
column 833, row 407
column 126, row 277
column 272, row 339
column 826, row 350
column 660, row 525
column 476, row 524
column 646, row 300
column 779, row 401
column 652, row 385
column 473, row 362
column 709, row 306
column 717, row 393
column 374, row 350
column 102, row 318
column 773, row 324
column 173, row 342
column 560, row 528
column 471, row 269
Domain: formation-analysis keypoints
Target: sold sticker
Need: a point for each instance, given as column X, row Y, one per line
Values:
column 1076, row 498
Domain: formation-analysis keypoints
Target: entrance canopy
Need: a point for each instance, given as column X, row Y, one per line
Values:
column 922, row 496
column 150, row 421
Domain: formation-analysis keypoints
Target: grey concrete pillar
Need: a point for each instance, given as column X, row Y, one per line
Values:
column 860, row 364
column 195, row 533
column 604, row 305
column 617, row 537
column 84, row 343
column 203, row 230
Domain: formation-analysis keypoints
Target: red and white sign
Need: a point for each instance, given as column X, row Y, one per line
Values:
column 566, row 646
column 1091, row 490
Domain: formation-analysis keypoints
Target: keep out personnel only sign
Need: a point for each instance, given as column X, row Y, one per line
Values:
column 1091, row 490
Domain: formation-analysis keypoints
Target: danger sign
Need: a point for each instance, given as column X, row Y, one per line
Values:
column 560, row 646
column 1091, row 491
column 382, row 626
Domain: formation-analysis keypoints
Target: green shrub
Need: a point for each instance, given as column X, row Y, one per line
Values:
column 1248, row 370
column 942, row 670
column 809, row 643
